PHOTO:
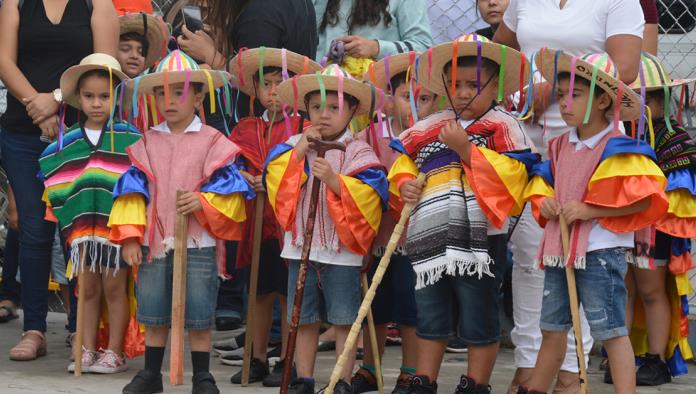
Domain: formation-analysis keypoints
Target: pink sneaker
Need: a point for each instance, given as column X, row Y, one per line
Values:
column 89, row 358
column 109, row 362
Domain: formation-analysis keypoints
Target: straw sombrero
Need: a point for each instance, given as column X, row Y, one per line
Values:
column 248, row 62
column 178, row 67
column 380, row 73
column 332, row 78
column 654, row 75
column 95, row 61
column 595, row 67
column 154, row 30
column 514, row 67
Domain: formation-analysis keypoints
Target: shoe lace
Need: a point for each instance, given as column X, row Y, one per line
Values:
column 110, row 359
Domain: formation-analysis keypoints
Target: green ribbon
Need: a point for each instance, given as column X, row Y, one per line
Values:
column 501, row 72
column 322, row 90
column 262, row 57
column 593, row 85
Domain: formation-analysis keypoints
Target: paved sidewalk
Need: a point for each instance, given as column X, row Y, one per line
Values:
column 48, row 374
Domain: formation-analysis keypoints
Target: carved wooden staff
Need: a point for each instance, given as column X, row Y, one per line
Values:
column 80, row 317
column 176, row 353
column 321, row 147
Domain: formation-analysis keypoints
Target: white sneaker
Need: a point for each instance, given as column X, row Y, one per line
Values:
column 89, row 358
column 108, row 363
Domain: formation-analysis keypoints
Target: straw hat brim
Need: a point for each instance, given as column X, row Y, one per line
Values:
column 397, row 64
column 430, row 76
column 133, row 23
column 272, row 58
column 150, row 81
column 630, row 102
column 71, row 76
column 675, row 83
column 362, row 91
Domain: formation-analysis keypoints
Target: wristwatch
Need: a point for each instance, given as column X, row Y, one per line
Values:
column 58, row 96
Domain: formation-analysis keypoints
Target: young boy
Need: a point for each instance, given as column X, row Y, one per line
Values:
column 256, row 137
column 607, row 187
column 353, row 194
column 92, row 152
column 141, row 43
column 179, row 154
column 474, row 157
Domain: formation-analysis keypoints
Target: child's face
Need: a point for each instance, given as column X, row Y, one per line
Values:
column 329, row 121
column 267, row 93
column 465, row 91
column 94, row 98
column 575, row 115
column 492, row 10
column 656, row 105
column 401, row 106
column 426, row 103
column 177, row 111
column 130, row 56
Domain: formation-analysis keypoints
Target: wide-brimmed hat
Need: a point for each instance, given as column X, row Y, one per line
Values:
column 152, row 28
column 654, row 76
column 380, row 73
column 248, row 62
column 332, row 78
column 178, row 67
column 594, row 67
column 514, row 67
column 95, row 61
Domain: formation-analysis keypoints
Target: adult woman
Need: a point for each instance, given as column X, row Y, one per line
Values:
column 373, row 28
column 578, row 27
column 38, row 41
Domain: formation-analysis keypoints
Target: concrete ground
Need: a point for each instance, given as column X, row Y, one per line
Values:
column 48, row 374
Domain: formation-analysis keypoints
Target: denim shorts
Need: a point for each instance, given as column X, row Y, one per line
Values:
column 331, row 294
column 465, row 304
column 601, row 291
column 395, row 301
column 154, row 289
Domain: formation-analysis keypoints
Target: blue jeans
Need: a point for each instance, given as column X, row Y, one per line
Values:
column 20, row 158
column 11, row 289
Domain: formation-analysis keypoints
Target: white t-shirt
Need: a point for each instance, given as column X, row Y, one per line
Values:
column 93, row 135
column 581, row 27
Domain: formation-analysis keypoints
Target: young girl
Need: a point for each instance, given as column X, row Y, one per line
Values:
column 80, row 171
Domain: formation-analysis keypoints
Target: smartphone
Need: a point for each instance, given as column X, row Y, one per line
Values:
column 192, row 18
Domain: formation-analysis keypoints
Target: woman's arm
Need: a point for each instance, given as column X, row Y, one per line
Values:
column 105, row 28
column 503, row 35
column 15, row 81
column 624, row 50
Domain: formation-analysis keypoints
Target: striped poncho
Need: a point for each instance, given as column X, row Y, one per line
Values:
column 79, row 182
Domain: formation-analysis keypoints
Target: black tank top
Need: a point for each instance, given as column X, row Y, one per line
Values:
column 44, row 52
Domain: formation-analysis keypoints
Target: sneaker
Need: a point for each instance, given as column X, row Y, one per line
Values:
column 230, row 346
column 653, row 372
column 89, row 358
column 236, row 357
column 227, row 323
column 258, row 370
column 402, row 383
column 363, row 381
column 301, row 386
column 275, row 378
column 326, row 346
column 145, row 382
column 109, row 362
column 204, row 383
column 342, row 388
column 422, row 385
column 273, row 356
column 468, row 385
column 393, row 335
column 456, row 345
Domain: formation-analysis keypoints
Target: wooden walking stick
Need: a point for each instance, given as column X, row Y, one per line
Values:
column 370, row 295
column 253, row 285
column 372, row 331
column 80, row 317
column 176, row 354
column 321, row 147
column 574, row 306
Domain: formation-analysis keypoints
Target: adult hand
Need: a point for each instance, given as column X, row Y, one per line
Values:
column 199, row 45
column 132, row 252
column 40, row 107
column 411, row 190
column 189, row 202
column 49, row 127
column 360, row 47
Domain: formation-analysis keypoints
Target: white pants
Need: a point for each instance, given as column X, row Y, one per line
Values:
column 527, row 292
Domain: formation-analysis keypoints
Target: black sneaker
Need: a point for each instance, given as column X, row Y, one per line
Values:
column 653, row 372
column 204, row 383
column 301, row 386
column 258, row 370
column 456, row 345
column 363, row 381
column 343, row 388
column 468, row 385
column 275, row 378
column 402, row 383
column 422, row 385
column 229, row 346
column 227, row 323
column 145, row 382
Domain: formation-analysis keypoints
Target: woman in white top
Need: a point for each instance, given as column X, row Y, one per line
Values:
column 578, row 27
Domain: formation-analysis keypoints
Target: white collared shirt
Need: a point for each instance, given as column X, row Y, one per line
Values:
column 600, row 237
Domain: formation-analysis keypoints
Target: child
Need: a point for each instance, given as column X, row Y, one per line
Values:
column 592, row 158
column 256, row 136
column 353, row 193
column 426, row 103
column 141, row 43
column 395, row 301
column 676, row 156
column 80, row 171
column 178, row 154
column 457, row 232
